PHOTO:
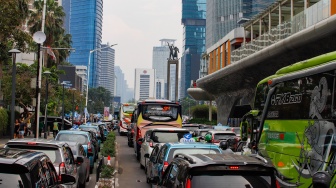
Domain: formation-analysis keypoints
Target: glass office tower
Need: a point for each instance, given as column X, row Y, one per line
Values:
column 193, row 20
column 85, row 26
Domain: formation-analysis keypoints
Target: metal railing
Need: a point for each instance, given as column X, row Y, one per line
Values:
column 301, row 21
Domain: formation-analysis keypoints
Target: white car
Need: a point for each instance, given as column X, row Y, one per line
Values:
column 159, row 135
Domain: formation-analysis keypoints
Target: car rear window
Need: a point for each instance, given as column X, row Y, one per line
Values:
column 230, row 181
column 72, row 138
column 89, row 129
column 14, row 180
column 223, row 136
column 174, row 151
column 54, row 154
column 164, row 137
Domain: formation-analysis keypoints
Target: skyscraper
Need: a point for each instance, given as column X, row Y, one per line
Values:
column 144, row 84
column 85, row 25
column 106, row 77
column 193, row 20
column 159, row 63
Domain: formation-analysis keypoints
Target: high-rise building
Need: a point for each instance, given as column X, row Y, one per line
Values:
column 159, row 63
column 144, row 84
column 193, row 20
column 119, row 82
column 81, row 71
column 106, row 77
column 85, row 25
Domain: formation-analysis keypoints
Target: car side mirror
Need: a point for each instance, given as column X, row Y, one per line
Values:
column 146, row 155
column 68, row 179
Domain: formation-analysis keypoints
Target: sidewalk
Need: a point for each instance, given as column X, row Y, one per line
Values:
column 4, row 139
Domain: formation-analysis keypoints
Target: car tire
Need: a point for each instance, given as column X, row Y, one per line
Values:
column 130, row 144
column 91, row 170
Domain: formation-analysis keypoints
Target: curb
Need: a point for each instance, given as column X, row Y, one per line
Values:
column 116, row 166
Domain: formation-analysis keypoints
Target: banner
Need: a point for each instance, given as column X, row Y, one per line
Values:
column 106, row 113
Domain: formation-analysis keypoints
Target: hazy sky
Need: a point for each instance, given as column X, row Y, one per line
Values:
column 137, row 26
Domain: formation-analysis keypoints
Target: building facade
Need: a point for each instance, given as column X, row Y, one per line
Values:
column 84, row 23
column 106, row 77
column 144, row 84
column 81, row 71
column 193, row 21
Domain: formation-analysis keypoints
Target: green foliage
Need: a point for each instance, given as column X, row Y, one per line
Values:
column 4, row 119
column 109, row 145
column 187, row 103
column 107, row 171
column 202, row 111
column 99, row 98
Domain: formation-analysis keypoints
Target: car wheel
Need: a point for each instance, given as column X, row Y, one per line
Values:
column 130, row 144
column 91, row 170
column 147, row 180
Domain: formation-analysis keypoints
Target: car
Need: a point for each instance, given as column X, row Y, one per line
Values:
column 159, row 159
column 159, row 135
column 83, row 168
column 24, row 168
column 217, row 170
column 82, row 137
column 95, row 129
column 51, row 120
column 59, row 153
column 201, row 132
column 95, row 142
column 220, row 135
column 101, row 127
column 235, row 130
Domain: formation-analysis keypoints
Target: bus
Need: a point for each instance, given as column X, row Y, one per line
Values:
column 125, row 114
column 293, row 122
column 154, row 113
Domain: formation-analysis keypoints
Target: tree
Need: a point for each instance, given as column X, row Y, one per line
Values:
column 55, row 34
column 99, row 98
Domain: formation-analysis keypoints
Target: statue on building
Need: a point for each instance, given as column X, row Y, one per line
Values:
column 173, row 52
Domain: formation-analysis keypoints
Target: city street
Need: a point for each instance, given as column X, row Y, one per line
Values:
column 130, row 174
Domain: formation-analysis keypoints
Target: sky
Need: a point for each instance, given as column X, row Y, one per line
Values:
column 137, row 26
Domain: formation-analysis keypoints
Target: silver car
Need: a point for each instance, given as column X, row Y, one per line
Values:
column 83, row 169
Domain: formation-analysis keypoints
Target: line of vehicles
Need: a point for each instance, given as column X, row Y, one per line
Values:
column 66, row 161
column 290, row 129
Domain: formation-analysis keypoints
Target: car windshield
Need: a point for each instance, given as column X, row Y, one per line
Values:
column 14, row 180
column 203, row 133
column 223, row 136
column 163, row 137
column 230, row 181
column 175, row 151
column 54, row 155
column 159, row 112
column 72, row 138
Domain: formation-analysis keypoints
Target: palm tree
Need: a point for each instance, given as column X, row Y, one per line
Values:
column 55, row 33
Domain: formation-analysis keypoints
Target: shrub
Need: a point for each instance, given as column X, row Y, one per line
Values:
column 4, row 120
column 203, row 121
column 109, row 145
column 202, row 112
column 107, row 171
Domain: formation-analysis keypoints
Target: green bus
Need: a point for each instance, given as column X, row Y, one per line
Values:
column 292, row 124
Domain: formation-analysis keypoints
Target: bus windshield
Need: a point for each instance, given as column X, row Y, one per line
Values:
column 128, row 109
column 160, row 112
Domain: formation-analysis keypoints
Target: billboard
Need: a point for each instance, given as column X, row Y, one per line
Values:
column 106, row 113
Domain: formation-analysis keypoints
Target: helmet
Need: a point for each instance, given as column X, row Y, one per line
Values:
column 224, row 145
column 208, row 138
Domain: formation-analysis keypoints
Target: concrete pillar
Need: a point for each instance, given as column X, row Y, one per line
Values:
column 210, row 111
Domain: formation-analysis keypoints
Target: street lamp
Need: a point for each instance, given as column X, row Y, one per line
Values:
column 63, row 85
column 80, row 107
column 13, row 52
column 88, row 75
column 73, row 107
column 47, row 73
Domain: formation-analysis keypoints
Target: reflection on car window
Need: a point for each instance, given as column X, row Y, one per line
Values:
column 54, row 155
column 175, row 151
column 13, row 180
column 164, row 137
column 73, row 138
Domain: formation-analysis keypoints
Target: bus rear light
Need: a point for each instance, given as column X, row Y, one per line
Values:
column 281, row 164
column 269, row 82
column 188, row 184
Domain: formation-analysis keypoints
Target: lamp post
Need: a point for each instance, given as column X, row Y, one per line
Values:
column 13, row 52
column 80, row 107
column 88, row 75
column 47, row 73
column 63, row 85
column 73, row 107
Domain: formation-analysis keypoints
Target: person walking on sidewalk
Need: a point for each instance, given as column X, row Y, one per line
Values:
column 55, row 128
column 22, row 128
column 16, row 128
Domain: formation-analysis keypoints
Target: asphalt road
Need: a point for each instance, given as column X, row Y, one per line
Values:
column 130, row 174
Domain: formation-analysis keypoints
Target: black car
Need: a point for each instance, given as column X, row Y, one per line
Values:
column 218, row 170
column 24, row 168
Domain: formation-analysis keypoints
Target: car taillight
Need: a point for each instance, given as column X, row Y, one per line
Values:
column 138, row 135
column 277, row 184
column 89, row 147
column 188, row 184
column 151, row 144
column 165, row 165
column 132, row 131
column 61, row 170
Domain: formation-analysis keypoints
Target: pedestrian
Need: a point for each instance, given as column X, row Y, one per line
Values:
column 55, row 128
column 16, row 128
column 21, row 129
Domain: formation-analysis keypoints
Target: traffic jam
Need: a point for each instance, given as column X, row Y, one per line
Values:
column 172, row 154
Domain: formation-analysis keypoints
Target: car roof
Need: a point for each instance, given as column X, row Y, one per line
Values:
column 36, row 141
column 167, row 129
column 191, row 145
column 18, row 160
column 74, row 132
